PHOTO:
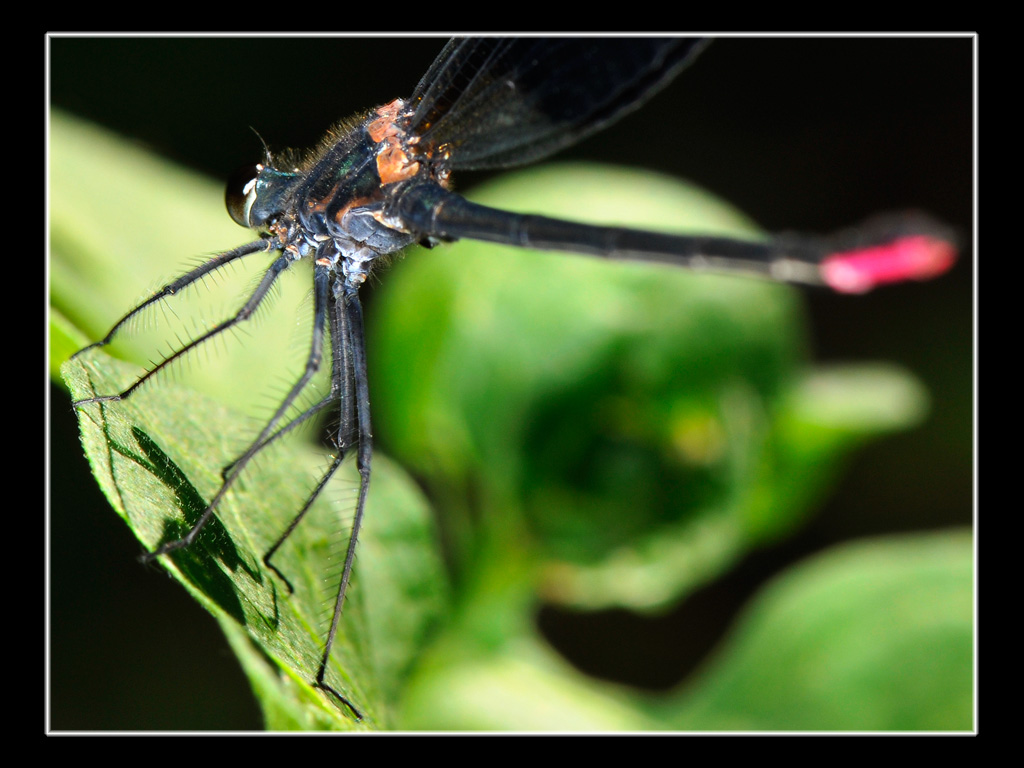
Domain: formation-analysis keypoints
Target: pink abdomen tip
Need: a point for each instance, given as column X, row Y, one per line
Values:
column 914, row 257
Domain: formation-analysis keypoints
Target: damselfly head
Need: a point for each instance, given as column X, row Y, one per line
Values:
column 257, row 195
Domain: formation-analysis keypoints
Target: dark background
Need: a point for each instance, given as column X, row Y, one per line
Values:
column 807, row 134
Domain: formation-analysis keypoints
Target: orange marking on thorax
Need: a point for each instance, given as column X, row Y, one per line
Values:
column 393, row 162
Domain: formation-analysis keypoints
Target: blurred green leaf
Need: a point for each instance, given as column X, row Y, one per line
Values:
column 873, row 635
column 124, row 222
column 644, row 426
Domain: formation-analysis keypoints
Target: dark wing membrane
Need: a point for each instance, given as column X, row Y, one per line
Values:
column 501, row 102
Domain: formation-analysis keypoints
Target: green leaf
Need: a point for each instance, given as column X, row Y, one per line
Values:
column 124, row 222
column 158, row 461
column 874, row 635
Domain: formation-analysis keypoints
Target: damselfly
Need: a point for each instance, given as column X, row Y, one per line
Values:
column 404, row 152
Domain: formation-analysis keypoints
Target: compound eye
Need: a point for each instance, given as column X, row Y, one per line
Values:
column 241, row 193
